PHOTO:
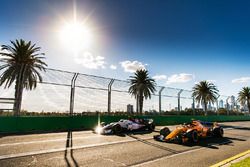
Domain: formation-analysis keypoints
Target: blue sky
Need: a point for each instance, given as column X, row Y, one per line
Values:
column 179, row 42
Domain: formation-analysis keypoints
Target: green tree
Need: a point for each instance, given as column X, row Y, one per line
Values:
column 244, row 97
column 205, row 92
column 22, row 63
column 142, row 86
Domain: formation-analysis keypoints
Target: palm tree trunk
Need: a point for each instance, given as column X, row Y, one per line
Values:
column 205, row 106
column 137, row 104
column 19, row 91
column 20, row 99
column 141, row 103
column 16, row 98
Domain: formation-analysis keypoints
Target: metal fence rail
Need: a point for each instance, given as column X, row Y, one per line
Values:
column 63, row 91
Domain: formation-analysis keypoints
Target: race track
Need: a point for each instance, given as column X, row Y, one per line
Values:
column 88, row 149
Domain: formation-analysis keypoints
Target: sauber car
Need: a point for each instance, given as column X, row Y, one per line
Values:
column 190, row 132
column 125, row 125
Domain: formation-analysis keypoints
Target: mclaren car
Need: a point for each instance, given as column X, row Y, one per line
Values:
column 125, row 125
column 190, row 132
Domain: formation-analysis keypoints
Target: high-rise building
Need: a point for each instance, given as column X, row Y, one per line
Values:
column 130, row 108
column 221, row 104
column 233, row 101
column 209, row 107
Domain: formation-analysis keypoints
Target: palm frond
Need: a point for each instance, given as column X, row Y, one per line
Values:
column 18, row 54
column 205, row 92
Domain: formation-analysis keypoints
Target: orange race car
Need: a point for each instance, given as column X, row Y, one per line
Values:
column 190, row 132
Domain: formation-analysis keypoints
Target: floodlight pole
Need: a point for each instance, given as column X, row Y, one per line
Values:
column 109, row 95
column 179, row 100
column 72, row 93
column 160, row 98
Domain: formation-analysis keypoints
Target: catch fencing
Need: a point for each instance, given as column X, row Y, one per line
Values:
column 65, row 92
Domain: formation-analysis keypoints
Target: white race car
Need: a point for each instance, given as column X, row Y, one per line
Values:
column 125, row 125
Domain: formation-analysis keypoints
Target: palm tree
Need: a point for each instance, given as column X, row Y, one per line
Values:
column 244, row 97
column 141, row 87
column 22, row 63
column 205, row 92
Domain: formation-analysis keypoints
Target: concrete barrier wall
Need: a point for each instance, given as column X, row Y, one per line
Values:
column 48, row 123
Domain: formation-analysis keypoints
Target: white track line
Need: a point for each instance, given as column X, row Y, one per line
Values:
column 51, row 134
column 46, row 141
column 174, row 155
column 2, row 157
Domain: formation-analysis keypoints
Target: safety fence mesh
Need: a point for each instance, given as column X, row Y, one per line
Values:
column 54, row 94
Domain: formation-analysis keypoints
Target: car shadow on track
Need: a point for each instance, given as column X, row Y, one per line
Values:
column 153, row 144
column 69, row 150
column 211, row 143
column 236, row 127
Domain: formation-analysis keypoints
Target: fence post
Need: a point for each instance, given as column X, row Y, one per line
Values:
column 109, row 95
column 160, row 99
column 217, row 104
column 227, row 105
column 179, row 100
column 72, row 93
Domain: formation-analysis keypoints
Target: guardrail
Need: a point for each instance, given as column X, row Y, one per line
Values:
column 46, row 124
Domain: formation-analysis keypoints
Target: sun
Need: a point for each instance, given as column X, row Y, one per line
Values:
column 76, row 36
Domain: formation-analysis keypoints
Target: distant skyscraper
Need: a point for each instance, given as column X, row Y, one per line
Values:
column 231, row 102
column 209, row 107
column 130, row 108
column 221, row 104
column 244, row 108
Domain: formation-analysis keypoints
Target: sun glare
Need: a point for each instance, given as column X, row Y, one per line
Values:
column 76, row 36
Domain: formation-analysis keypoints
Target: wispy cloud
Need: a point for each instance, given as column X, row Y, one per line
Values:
column 180, row 78
column 159, row 77
column 89, row 60
column 212, row 80
column 241, row 80
column 132, row 66
column 113, row 67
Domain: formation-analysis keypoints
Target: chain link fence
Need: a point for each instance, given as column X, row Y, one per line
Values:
column 65, row 92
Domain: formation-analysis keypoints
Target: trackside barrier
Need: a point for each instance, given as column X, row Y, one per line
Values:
column 46, row 124
column 32, row 124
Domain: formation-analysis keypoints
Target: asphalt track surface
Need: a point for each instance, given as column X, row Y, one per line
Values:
column 88, row 149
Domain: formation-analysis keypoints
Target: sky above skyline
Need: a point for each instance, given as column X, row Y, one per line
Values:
column 179, row 42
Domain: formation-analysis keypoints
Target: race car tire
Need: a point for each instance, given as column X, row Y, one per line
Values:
column 151, row 127
column 218, row 132
column 164, row 131
column 117, row 129
column 194, row 136
column 179, row 139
